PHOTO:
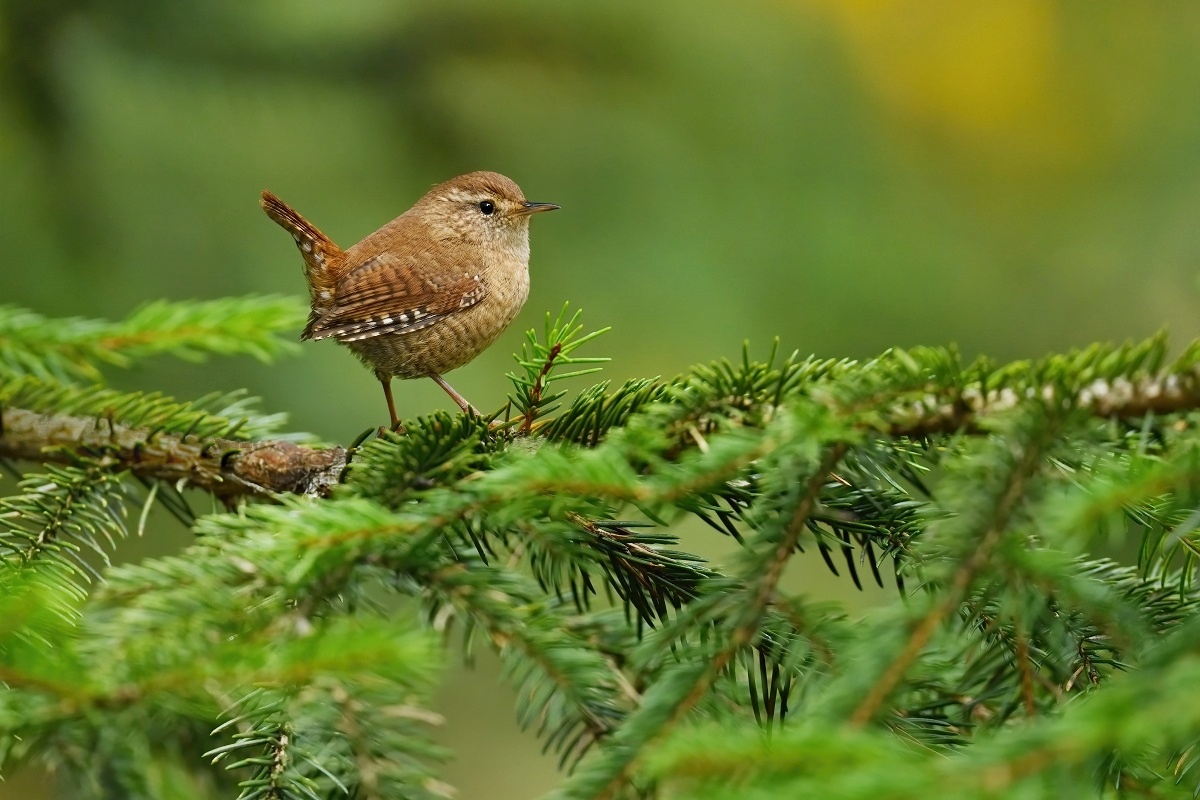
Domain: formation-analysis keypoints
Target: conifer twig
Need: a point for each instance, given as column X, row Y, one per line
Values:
column 539, row 386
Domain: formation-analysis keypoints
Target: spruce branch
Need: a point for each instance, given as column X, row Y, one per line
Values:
column 61, row 517
column 26, row 437
column 72, row 349
column 986, row 485
column 225, row 415
column 334, row 734
column 1138, row 713
column 540, row 359
column 642, row 573
column 924, row 392
column 292, row 578
column 595, row 411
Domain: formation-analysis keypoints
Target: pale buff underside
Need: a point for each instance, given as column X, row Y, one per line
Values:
column 450, row 343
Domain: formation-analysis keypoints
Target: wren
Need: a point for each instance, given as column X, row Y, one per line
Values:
column 428, row 291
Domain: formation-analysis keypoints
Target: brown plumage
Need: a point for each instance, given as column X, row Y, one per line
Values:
column 430, row 290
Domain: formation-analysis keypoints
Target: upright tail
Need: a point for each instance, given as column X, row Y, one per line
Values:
column 322, row 258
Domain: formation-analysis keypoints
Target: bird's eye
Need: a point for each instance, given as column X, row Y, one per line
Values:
column 487, row 207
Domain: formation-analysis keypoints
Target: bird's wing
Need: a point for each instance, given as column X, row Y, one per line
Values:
column 389, row 295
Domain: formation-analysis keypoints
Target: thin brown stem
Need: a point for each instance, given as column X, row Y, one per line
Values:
column 1024, row 668
column 539, row 386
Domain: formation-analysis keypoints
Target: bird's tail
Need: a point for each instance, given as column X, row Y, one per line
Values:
column 322, row 258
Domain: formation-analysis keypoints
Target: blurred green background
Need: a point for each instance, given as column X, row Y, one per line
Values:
column 1014, row 176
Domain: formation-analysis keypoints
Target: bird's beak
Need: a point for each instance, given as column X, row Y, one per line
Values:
column 534, row 208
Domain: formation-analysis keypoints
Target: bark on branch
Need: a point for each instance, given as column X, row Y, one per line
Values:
column 227, row 468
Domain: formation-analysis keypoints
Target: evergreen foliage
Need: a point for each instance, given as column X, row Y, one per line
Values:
column 1040, row 520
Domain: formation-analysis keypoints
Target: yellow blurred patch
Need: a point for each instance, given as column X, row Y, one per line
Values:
column 987, row 76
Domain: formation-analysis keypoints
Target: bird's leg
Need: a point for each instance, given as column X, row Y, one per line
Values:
column 458, row 398
column 386, row 382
